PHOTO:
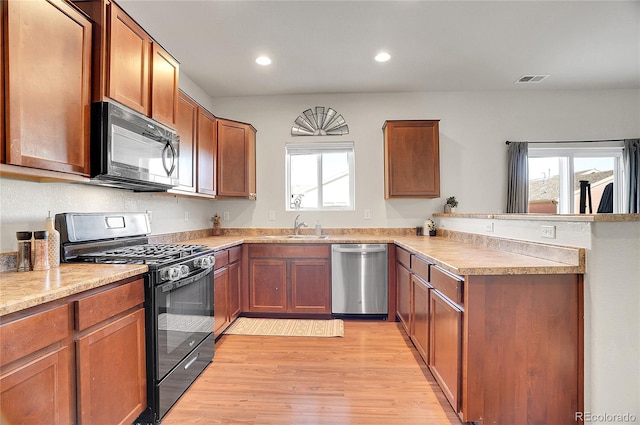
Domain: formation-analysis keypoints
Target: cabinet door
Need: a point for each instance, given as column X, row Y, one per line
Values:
column 220, row 300
column 268, row 285
column 38, row 392
column 445, row 351
column 412, row 159
column 111, row 371
column 233, row 293
column 164, row 86
column 310, row 286
column 128, row 76
column 186, row 123
column 420, row 332
column 234, row 158
column 47, row 108
column 403, row 297
column 206, row 153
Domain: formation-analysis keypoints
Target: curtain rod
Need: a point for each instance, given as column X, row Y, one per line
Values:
column 508, row 142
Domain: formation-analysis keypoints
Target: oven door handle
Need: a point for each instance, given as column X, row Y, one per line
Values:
column 183, row 282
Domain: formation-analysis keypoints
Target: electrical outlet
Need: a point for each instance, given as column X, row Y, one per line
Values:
column 488, row 227
column 272, row 215
column 225, row 215
column 548, row 232
column 150, row 215
column 367, row 214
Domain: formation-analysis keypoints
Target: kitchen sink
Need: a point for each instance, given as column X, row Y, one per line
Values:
column 307, row 237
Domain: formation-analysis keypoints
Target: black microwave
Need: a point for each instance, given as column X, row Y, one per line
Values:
column 131, row 151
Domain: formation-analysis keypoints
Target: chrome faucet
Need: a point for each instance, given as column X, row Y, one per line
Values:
column 297, row 225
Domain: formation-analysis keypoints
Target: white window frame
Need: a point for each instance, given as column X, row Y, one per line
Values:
column 309, row 147
column 566, row 171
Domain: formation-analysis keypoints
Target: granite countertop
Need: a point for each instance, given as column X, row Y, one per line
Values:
column 490, row 256
column 19, row 291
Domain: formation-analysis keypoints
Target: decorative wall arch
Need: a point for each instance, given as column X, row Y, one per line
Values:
column 320, row 121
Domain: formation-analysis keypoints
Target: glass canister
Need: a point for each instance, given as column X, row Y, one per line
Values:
column 24, row 251
column 54, row 242
column 41, row 250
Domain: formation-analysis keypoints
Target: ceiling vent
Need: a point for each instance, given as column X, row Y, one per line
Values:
column 531, row 78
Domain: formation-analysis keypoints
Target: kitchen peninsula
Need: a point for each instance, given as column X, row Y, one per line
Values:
column 547, row 283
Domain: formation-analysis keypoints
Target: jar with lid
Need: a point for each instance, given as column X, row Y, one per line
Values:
column 41, row 250
column 24, row 251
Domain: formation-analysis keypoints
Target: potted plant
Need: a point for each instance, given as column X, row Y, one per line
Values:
column 430, row 226
column 450, row 206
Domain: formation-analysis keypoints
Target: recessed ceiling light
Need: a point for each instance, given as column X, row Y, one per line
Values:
column 383, row 57
column 263, row 60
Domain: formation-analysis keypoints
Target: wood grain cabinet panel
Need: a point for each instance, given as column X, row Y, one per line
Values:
column 234, row 290
column 227, row 280
column 112, row 371
column 186, row 126
column 129, row 50
column 236, row 159
column 411, row 159
column 164, row 86
column 420, row 300
column 220, row 300
column 403, row 296
column 48, row 86
column 445, row 355
column 267, row 285
column 310, row 292
column 39, row 392
column 206, row 153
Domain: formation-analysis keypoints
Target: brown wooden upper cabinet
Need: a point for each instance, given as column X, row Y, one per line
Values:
column 186, row 126
column 411, row 159
column 48, row 94
column 206, row 153
column 236, row 159
column 129, row 66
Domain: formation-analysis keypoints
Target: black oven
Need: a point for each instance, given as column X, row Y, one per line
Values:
column 180, row 312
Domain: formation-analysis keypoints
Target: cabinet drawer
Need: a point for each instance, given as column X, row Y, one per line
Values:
column 222, row 259
column 448, row 284
column 103, row 305
column 235, row 254
column 25, row 336
column 420, row 267
column 289, row 251
column 403, row 257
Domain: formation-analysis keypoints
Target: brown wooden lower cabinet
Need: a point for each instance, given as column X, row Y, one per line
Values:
column 420, row 301
column 39, row 392
column 77, row 359
column 289, row 279
column 403, row 296
column 112, row 371
column 445, row 350
column 226, row 295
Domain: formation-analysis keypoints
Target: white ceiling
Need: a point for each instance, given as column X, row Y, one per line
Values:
column 328, row 46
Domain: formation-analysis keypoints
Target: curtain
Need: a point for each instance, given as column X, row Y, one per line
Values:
column 631, row 156
column 518, row 175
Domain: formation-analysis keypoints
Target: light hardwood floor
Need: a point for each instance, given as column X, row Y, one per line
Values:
column 371, row 376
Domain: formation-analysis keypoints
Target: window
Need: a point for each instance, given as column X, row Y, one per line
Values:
column 555, row 175
column 320, row 176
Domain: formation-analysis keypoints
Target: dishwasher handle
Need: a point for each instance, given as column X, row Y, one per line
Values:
column 360, row 250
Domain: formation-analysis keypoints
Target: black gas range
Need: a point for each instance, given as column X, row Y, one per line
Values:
column 178, row 296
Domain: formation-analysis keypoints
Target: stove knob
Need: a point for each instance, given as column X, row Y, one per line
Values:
column 184, row 270
column 205, row 262
column 172, row 273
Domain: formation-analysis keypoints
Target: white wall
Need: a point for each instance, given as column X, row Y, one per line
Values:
column 473, row 129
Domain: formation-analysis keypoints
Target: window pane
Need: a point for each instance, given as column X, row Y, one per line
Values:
column 544, row 185
column 304, row 180
column 335, row 180
column 599, row 173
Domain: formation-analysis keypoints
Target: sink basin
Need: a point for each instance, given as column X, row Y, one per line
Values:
column 307, row 237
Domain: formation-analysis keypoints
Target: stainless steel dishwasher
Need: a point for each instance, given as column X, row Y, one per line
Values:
column 359, row 279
